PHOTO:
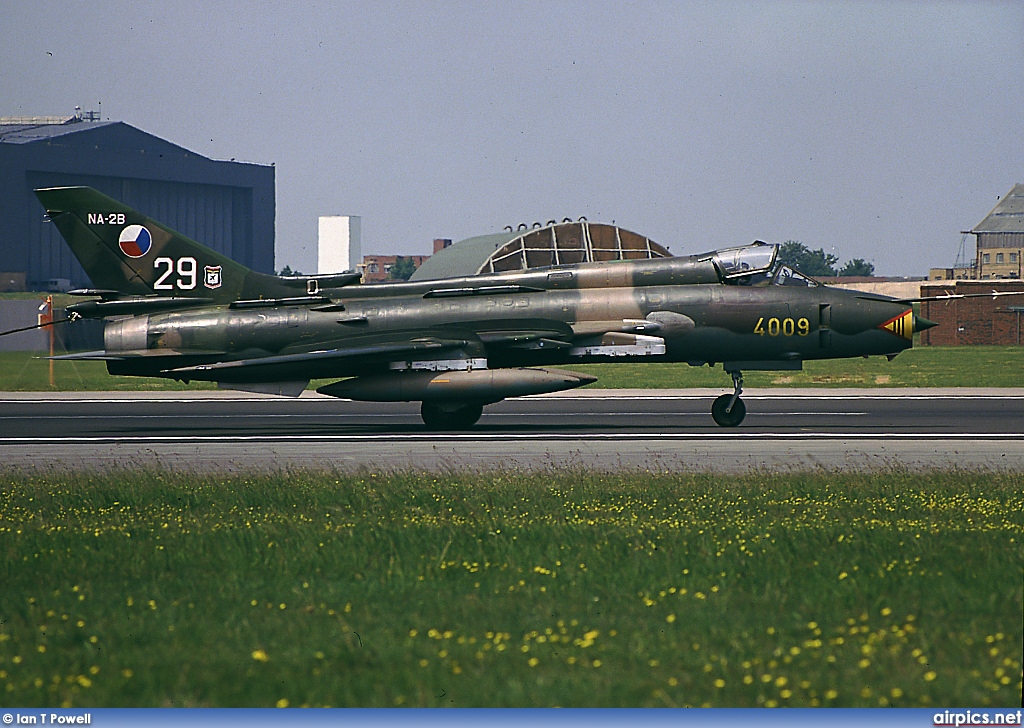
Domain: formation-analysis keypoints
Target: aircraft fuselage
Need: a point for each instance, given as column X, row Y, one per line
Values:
column 729, row 324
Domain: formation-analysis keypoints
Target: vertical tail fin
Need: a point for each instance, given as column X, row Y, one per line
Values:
column 125, row 251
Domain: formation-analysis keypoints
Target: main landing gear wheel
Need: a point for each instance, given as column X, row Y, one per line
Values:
column 443, row 416
column 729, row 410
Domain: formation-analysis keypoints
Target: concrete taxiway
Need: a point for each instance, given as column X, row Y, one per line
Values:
column 634, row 430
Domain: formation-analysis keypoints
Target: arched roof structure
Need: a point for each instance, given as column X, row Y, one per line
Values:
column 555, row 244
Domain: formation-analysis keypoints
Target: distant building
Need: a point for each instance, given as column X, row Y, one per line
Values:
column 228, row 206
column 1000, row 237
column 339, row 246
column 999, row 242
column 377, row 268
column 951, row 274
column 973, row 321
column 896, row 287
column 997, row 265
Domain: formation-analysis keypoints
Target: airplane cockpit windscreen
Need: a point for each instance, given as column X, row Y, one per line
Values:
column 755, row 265
column 786, row 276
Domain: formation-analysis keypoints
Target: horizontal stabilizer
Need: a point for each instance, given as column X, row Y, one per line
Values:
column 125, row 355
column 100, row 355
column 104, row 293
column 133, row 306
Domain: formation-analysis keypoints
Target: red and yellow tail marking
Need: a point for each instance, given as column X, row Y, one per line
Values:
column 902, row 325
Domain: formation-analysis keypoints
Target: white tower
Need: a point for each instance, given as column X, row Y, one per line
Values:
column 339, row 247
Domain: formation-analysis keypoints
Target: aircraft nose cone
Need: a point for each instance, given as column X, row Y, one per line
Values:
column 922, row 324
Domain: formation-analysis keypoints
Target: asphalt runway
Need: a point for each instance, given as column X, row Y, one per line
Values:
column 633, row 430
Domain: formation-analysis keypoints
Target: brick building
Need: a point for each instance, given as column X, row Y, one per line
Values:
column 972, row 321
column 376, row 268
column 997, row 266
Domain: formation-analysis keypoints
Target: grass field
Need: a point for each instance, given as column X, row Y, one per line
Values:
column 572, row 589
column 27, row 372
column 967, row 366
column 931, row 366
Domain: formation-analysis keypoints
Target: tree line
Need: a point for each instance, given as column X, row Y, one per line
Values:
column 818, row 263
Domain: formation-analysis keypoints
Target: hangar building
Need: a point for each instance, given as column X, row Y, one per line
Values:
column 228, row 206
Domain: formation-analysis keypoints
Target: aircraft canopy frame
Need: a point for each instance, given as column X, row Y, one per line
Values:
column 748, row 260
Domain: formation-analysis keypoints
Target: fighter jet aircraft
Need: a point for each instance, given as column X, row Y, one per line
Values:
column 176, row 309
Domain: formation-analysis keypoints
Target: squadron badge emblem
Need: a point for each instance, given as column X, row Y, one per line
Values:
column 213, row 276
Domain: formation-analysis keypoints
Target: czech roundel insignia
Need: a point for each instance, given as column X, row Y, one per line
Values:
column 213, row 276
column 135, row 241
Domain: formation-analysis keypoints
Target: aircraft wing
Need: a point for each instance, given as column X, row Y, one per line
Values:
column 511, row 333
column 321, row 356
column 454, row 340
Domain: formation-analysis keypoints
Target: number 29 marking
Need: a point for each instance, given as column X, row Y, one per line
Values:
column 186, row 268
column 785, row 327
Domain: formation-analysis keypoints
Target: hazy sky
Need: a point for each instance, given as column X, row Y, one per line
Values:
column 874, row 130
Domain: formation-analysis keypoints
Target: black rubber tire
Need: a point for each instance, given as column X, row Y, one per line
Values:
column 725, row 417
column 450, row 417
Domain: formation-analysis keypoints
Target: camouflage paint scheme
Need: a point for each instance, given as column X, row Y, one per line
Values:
column 182, row 311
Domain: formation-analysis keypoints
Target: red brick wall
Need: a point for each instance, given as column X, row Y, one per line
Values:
column 972, row 321
column 383, row 262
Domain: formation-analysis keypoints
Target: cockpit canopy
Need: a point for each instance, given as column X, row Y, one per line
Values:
column 756, row 265
column 745, row 261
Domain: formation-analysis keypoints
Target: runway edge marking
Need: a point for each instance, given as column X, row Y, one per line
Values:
column 483, row 437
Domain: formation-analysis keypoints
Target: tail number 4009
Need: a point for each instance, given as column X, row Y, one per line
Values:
column 785, row 327
column 185, row 267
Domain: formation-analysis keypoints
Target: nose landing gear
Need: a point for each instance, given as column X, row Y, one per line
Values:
column 729, row 410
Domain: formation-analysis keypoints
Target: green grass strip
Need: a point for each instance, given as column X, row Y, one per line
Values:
column 562, row 589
